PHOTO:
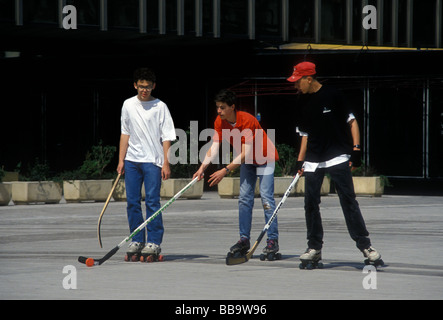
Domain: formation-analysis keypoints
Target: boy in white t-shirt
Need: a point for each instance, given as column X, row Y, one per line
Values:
column 147, row 130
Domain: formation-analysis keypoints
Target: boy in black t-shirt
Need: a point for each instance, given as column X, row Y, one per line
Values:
column 330, row 144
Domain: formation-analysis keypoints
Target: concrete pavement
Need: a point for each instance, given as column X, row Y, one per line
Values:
column 40, row 245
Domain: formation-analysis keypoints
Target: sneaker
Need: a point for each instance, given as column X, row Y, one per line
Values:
column 272, row 246
column 371, row 254
column 135, row 247
column 151, row 248
column 311, row 254
column 242, row 245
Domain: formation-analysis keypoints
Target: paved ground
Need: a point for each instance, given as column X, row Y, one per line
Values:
column 40, row 245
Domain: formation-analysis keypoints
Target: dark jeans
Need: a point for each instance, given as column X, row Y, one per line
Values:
column 342, row 177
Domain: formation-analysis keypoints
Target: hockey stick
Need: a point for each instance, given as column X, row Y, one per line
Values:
column 231, row 260
column 103, row 210
column 96, row 262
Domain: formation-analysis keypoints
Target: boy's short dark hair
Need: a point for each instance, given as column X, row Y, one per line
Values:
column 227, row 96
column 144, row 74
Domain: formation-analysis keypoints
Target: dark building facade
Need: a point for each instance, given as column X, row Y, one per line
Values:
column 64, row 87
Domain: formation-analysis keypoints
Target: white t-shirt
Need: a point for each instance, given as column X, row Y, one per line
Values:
column 148, row 124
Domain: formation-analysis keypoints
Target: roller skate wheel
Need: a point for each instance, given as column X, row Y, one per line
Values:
column 271, row 256
column 135, row 258
column 320, row 265
column 278, row 256
column 161, row 258
column 127, row 258
column 262, row 257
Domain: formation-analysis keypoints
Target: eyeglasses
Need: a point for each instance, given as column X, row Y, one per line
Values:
column 141, row 88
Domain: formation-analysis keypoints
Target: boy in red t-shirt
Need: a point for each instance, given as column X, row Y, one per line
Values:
column 256, row 155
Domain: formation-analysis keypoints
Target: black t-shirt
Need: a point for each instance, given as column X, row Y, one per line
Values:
column 323, row 117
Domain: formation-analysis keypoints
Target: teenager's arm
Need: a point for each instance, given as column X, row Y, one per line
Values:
column 210, row 156
column 302, row 154
column 124, row 144
column 355, row 132
column 166, row 169
column 355, row 160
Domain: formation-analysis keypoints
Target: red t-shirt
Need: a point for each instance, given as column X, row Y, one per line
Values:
column 247, row 130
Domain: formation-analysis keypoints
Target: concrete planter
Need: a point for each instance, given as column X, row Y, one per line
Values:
column 26, row 192
column 368, row 186
column 120, row 191
column 5, row 193
column 87, row 190
column 170, row 188
column 229, row 188
column 281, row 184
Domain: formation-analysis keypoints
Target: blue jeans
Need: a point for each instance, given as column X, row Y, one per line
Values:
column 248, row 179
column 135, row 174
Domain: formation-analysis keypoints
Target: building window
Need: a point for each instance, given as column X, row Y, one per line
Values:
column 234, row 18
column 88, row 11
column 171, row 16
column 152, row 16
column 208, row 17
column 189, row 15
column 301, row 20
column 40, row 11
column 333, row 20
column 268, row 14
column 7, row 12
column 402, row 26
column 387, row 23
column 424, row 21
column 123, row 14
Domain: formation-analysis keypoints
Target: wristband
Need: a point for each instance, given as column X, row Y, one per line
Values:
column 227, row 170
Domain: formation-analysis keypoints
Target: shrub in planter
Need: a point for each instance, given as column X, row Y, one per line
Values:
column 90, row 182
column 284, row 169
column 36, row 185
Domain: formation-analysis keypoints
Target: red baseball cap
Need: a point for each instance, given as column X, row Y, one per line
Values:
column 302, row 69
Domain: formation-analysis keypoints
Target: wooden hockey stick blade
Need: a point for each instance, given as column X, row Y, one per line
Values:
column 231, row 261
column 103, row 211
